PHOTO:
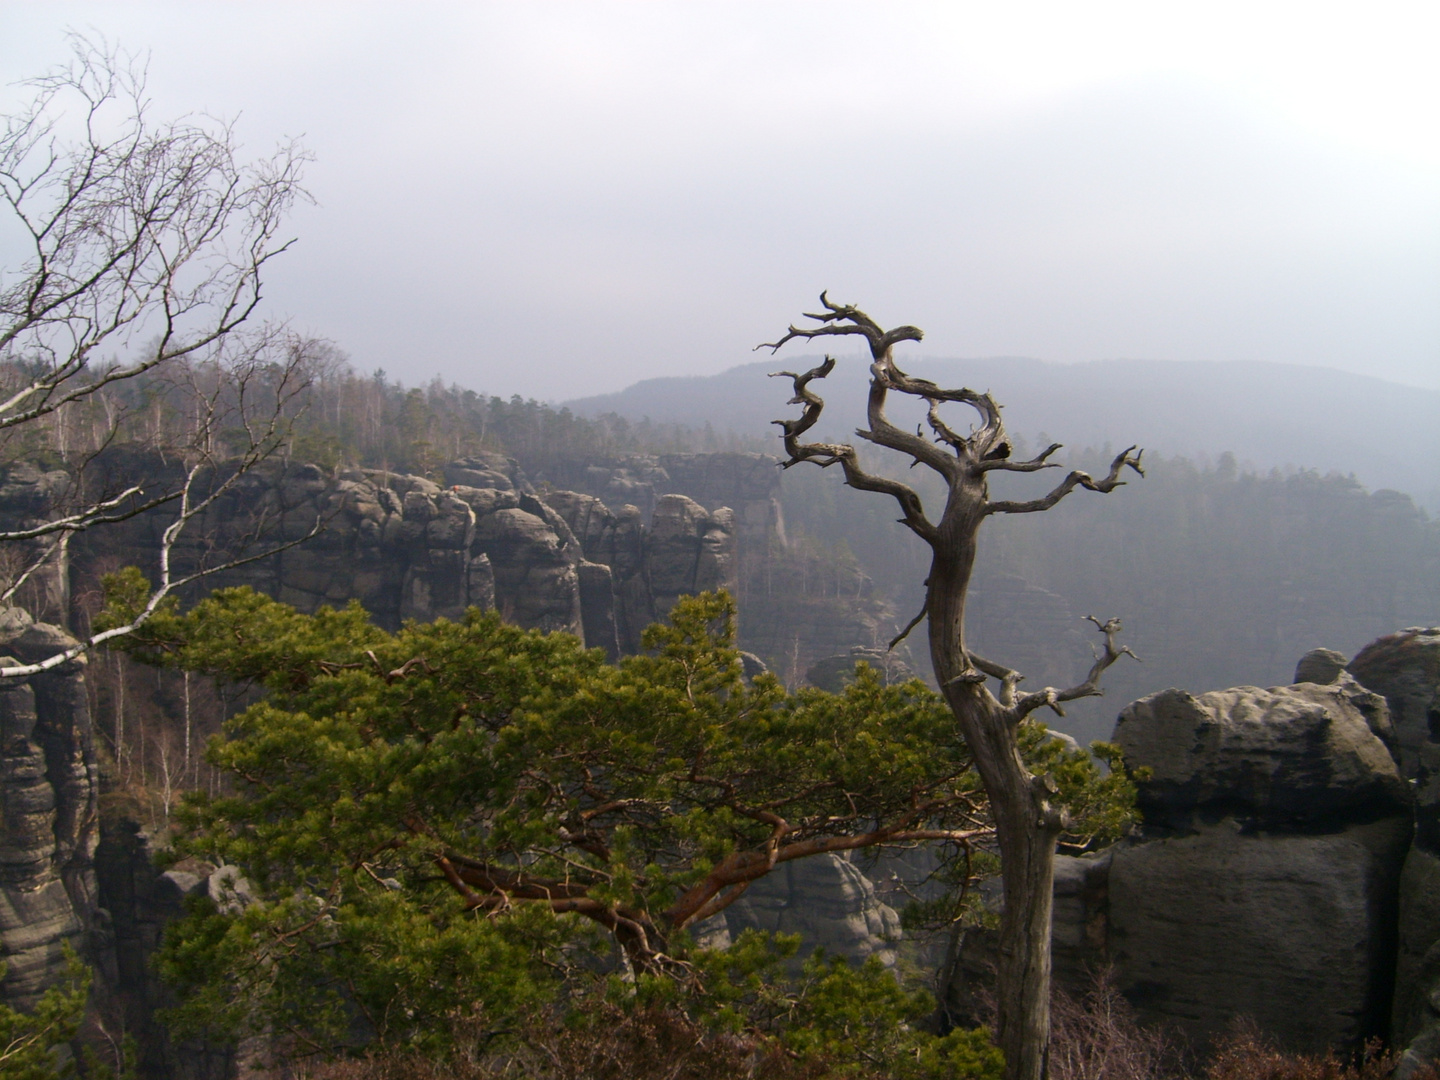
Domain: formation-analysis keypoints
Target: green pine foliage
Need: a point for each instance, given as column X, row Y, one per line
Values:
column 463, row 826
column 34, row 1045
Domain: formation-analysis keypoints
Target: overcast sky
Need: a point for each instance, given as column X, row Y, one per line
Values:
column 560, row 199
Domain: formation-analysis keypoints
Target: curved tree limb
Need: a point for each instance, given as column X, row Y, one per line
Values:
column 743, row 868
column 1035, row 464
column 1008, row 678
column 846, row 320
column 843, row 454
column 1051, row 698
column 898, row 638
column 1076, row 479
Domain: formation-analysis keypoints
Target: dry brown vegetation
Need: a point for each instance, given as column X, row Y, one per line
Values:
column 1095, row 1038
column 1098, row 1037
column 615, row 1044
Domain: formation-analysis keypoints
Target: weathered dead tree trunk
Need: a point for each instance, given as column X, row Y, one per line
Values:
column 1027, row 824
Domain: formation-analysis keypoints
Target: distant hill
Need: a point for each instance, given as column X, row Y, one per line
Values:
column 1267, row 415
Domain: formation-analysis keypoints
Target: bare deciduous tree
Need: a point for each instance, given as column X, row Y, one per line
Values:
column 142, row 251
column 1028, row 823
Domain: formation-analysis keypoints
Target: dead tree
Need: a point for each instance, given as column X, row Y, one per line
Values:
column 1027, row 822
column 142, row 246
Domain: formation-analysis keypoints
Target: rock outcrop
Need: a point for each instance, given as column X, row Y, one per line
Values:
column 138, row 900
column 1265, row 884
column 1302, row 758
column 1405, row 667
column 797, row 605
column 749, row 484
column 825, row 899
column 686, row 550
column 832, row 673
column 408, row 548
column 49, row 786
column 1265, row 880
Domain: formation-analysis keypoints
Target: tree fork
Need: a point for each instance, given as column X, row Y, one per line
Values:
column 1027, row 823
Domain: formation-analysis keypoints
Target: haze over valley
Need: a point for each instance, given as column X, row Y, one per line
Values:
column 422, row 653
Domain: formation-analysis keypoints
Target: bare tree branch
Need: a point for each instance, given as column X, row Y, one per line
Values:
column 1035, row 464
column 144, row 248
column 1112, row 480
column 898, row 638
column 135, row 230
column 827, row 454
column 213, row 472
column 96, row 514
column 846, row 320
column 1090, row 687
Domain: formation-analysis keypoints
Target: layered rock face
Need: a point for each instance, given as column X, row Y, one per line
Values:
column 1405, row 667
column 140, row 900
column 1276, row 823
column 687, row 549
column 797, row 607
column 49, row 786
column 409, row 548
column 599, row 549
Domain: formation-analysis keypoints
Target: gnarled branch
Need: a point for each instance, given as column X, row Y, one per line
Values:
column 898, row 638
column 1035, row 464
column 849, row 321
column 843, row 454
column 1051, row 698
column 1077, row 478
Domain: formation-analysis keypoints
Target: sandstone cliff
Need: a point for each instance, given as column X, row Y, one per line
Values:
column 49, row 787
column 1274, row 875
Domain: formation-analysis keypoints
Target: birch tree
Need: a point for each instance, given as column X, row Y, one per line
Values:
column 133, row 249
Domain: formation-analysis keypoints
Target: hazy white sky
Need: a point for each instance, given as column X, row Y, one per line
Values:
column 559, row 199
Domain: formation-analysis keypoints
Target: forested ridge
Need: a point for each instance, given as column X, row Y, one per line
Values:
column 1223, row 574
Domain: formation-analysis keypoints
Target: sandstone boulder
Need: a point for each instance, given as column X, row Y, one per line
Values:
column 1405, row 668
column 1295, row 758
column 1292, row 931
column 1320, row 666
column 825, row 899
column 486, row 470
column 1276, row 823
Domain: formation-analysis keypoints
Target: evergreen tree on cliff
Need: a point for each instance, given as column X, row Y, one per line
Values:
column 1028, row 820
